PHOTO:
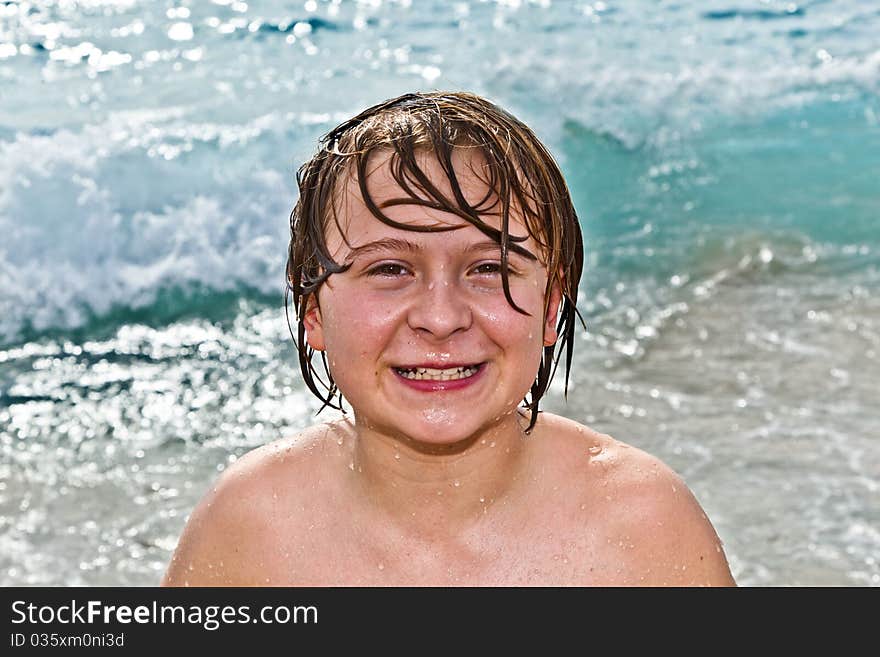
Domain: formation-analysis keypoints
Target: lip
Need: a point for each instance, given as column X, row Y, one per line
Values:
column 430, row 385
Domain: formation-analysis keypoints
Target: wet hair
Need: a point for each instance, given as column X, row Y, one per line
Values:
column 520, row 172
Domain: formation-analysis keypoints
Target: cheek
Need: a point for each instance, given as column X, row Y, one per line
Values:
column 512, row 329
column 357, row 325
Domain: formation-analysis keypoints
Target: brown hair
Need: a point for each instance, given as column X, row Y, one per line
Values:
column 522, row 173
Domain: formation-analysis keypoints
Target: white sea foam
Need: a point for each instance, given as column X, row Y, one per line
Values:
column 81, row 236
column 138, row 155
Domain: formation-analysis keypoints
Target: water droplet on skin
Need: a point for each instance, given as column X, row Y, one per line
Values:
column 594, row 450
column 351, row 466
column 456, row 483
column 381, row 566
column 431, row 285
column 396, row 456
column 583, row 506
column 340, row 441
column 436, row 415
column 482, row 500
column 674, row 489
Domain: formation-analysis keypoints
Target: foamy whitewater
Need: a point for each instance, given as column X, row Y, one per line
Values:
column 723, row 156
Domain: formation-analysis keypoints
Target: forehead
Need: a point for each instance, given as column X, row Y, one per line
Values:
column 355, row 224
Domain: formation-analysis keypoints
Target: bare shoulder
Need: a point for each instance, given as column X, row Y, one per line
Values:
column 231, row 536
column 641, row 506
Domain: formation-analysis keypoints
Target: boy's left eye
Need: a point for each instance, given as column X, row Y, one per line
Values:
column 487, row 268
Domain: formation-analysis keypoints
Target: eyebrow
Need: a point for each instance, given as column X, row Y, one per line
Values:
column 393, row 244
column 385, row 244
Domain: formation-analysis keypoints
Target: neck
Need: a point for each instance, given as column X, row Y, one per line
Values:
column 441, row 489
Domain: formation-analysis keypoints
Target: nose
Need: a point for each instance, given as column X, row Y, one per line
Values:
column 440, row 310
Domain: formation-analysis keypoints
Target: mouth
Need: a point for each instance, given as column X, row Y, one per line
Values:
column 455, row 373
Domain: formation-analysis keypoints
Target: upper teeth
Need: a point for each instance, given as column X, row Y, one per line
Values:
column 438, row 375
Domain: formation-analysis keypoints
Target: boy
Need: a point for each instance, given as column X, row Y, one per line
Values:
column 434, row 263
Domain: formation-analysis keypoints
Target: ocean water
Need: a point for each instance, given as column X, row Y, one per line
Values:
column 724, row 157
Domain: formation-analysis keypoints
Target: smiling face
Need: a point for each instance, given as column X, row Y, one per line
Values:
column 417, row 331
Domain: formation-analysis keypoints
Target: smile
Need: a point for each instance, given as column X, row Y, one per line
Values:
column 431, row 374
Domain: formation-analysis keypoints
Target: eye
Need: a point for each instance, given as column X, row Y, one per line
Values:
column 388, row 270
column 487, row 268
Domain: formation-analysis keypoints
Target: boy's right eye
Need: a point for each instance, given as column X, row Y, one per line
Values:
column 388, row 270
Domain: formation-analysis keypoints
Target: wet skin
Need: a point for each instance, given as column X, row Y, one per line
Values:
column 433, row 300
column 434, row 480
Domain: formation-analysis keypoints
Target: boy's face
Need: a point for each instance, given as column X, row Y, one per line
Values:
column 429, row 300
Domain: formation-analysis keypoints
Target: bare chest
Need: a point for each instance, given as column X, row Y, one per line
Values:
column 553, row 552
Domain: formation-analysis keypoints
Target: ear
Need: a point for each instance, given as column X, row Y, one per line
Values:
column 314, row 324
column 553, row 301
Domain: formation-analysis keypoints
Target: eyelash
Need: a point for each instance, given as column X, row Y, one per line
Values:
column 383, row 269
column 496, row 268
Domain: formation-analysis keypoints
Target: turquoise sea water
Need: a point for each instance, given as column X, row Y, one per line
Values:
column 723, row 156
